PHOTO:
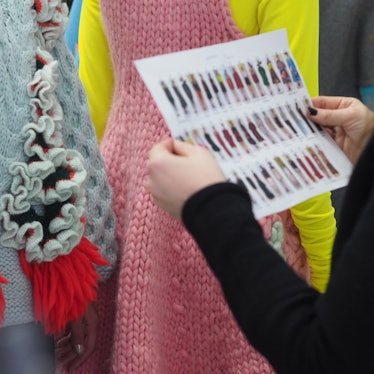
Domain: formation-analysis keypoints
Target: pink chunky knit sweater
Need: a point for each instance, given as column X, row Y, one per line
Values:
column 169, row 312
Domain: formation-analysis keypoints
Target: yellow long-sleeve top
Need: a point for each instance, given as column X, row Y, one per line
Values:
column 314, row 217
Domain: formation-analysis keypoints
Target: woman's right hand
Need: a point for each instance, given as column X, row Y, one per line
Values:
column 177, row 170
column 347, row 119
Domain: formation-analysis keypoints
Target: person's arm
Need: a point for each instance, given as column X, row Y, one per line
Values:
column 315, row 217
column 95, row 69
column 297, row 329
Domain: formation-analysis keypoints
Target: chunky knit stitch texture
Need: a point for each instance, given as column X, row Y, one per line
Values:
column 19, row 44
column 171, row 316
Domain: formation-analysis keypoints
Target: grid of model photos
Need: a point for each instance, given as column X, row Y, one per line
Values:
column 244, row 82
column 235, row 138
column 305, row 165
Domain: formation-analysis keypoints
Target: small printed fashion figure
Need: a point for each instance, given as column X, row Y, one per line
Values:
column 246, row 133
column 231, row 85
column 254, row 76
column 180, row 97
column 296, row 169
column 199, row 93
column 211, row 143
column 244, row 73
column 188, row 138
column 293, row 69
column 268, row 193
column 187, row 90
column 297, row 120
column 318, row 161
column 215, row 89
column 287, row 120
column 238, row 136
column 239, row 181
column 229, row 139
column 253, row 129
column 286, row 79
column 207, row 91
column 261, row 126
column 307, row 105
column 274, row 77
column 278, row 177
column 222, row 143
column 271, row 126
column 239, row 84
column 287, row 172
column 269, row 179
column 222, row 85
column 197, row 139
column 264, row 76
column 255, row 191
column 312, row 165
column 327, row 161
column 302, row 115
column 169, row 96
column 304, row 167
column 276, row 119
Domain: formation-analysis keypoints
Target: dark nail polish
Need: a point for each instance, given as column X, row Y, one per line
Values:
column 312, row 111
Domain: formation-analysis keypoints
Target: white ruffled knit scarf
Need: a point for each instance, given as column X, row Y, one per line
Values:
column 43, row 214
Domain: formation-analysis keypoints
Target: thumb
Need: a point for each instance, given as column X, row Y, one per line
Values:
column 182, row 148
column 164, row 146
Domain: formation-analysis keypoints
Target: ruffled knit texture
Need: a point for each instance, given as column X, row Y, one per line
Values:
column 171, row 316
column 43, row 214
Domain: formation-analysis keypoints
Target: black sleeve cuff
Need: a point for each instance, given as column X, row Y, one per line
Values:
column 220, row 191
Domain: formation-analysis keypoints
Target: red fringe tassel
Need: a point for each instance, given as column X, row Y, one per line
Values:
column 2, row 300
column 63, row 288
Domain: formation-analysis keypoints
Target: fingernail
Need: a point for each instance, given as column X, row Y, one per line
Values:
column 79, row 349
column 312, row 111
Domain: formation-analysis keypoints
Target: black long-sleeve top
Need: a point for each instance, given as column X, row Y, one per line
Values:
column 299, row 330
